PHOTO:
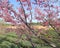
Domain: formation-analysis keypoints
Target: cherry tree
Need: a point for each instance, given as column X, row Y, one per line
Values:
column 45, row 11
column 48, row 12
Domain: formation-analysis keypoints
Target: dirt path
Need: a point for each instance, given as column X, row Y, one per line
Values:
column 35, row 27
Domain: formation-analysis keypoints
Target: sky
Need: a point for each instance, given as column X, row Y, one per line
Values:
column 16, row 4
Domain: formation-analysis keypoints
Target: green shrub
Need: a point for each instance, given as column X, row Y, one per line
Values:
column 8, row 40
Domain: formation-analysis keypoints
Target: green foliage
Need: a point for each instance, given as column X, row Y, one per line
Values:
column 8, row 40
column 5, row 44
column 38, row 46
column 35, row 23
column 25, row 43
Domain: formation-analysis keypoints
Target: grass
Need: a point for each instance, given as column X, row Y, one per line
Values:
column 8, row 40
